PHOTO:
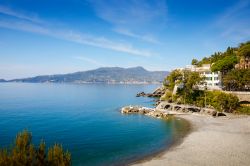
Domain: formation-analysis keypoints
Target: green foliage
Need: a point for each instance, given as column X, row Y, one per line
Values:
column 224, row 61
column 194, row 62
column 217, row 56
column 167, row 96
column 244, row 50
column 56, row 156
column 23, row 152
column 225, row 64
column 205, row 60
column 190, row 80
column 214, row 57
column 237, row 79
column 218, row 100
column 173, row 78
column 243, row 110
column 222, row 101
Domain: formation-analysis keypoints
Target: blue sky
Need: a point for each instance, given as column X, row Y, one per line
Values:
column 62, row 36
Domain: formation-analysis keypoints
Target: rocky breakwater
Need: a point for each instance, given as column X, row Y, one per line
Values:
column 157, row 93
column 173, row 108
column 144, row 110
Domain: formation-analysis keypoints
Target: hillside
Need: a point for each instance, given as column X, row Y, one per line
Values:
column 102, row 75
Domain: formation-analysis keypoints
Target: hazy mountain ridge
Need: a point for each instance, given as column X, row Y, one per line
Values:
column 102, row 75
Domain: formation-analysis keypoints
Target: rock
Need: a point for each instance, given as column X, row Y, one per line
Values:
column 214, row 113
column 135, row 109
column 220, row 114
column 177, row 108
column 157, row 93
column 140, row 94
column 157, row 114
column 167, row 106
column 144, row 110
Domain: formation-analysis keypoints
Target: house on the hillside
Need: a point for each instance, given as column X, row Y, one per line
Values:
column 244, row 63
column 212, row 79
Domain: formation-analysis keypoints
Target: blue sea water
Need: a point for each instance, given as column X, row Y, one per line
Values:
column 86, row 120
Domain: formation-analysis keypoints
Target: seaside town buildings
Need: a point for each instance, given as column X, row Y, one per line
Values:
column 244, row 63
column 212, row 79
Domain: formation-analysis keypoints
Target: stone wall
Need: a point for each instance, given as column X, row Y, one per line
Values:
column 243, row 96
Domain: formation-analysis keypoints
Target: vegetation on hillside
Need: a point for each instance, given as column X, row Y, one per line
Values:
column 23, row 152
column 232, row 78
column 244, row 49
column 237, row 79
column 190, row 94
column 173, row 78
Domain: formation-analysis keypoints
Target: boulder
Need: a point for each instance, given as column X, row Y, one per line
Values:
column 140, row 94
column 214, row 113
column 157, row 114
column 167, row 106
column 220, row 114
column 177, row 108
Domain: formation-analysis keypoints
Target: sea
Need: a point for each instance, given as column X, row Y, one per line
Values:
column 86, row 120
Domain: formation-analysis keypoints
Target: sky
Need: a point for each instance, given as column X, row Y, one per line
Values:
column 63, row 36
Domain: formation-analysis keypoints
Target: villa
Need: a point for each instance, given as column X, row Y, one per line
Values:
column 212, row 79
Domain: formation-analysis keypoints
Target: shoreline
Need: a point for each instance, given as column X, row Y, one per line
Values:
column 210, row 141
column 178, row 140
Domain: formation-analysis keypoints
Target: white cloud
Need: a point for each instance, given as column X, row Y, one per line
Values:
column 147, row 38
column 104, row 43
column 30, row 17
column 69, row 35
column 133, row 18
column 129, row 12
column 89, row 60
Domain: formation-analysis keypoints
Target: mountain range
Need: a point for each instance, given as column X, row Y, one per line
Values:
column 101, row 75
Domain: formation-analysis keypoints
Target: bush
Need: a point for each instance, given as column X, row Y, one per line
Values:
column 222, row 101
column 243, row 110
column 219, row 100
column 167, row 96
column 23, row 152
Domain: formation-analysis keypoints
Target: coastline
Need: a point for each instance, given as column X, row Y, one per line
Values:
column 211, row 141
column 179, row 138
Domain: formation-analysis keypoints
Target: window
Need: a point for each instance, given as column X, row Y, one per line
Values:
column 208, row 78
column 216, row 78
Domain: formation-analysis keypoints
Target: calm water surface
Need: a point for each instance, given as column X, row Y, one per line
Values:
column 86, row 120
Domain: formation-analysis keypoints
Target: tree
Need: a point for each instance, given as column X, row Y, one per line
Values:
column 222, row 101
column 23, row 152
column 194, row 62
column 173, row 78
column 225, row 64
column 189, row 91
column 237, row 79
column 244, row 50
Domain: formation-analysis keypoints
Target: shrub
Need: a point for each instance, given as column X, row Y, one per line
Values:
column 243, row 110
column 222, row 101
column 167, row 96
column 23, row 152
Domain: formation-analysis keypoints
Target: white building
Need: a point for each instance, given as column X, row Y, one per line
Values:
column 212, row 79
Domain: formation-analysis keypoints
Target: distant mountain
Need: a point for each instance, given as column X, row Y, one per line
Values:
column 103, row 75
column 2, row 80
